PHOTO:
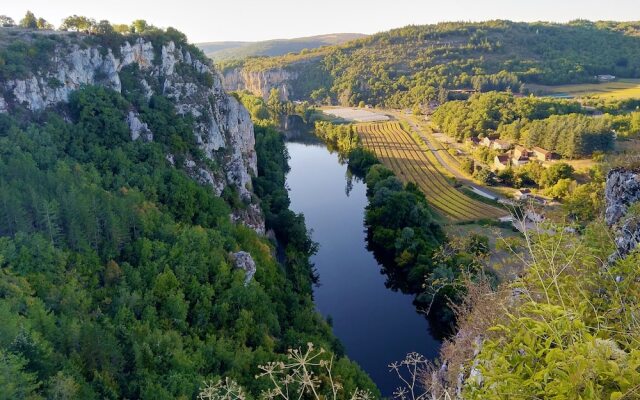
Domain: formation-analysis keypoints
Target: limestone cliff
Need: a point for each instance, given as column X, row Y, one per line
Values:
column 261, row 82
column 621, row 193
column 222, row 127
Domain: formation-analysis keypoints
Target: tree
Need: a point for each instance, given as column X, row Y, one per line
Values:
column 121, row 28
column 43, row 24
column 29, row 21
column 6, row 21
column 78, row 23
column 140, row 26
column 104, row 27
column 555, row 173
column 274, row 103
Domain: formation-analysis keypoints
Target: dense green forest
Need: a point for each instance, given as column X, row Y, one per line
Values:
column 556, row 125
column 418, row 64
column 118, row 277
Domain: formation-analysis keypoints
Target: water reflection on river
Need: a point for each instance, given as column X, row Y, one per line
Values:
column 376, row 325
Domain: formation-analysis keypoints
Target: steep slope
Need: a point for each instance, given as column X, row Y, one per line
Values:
column 221, row 51
column 419, row 64
column 122, row 275
column 66, row 62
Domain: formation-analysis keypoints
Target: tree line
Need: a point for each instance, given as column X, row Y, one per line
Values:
column 561, row 126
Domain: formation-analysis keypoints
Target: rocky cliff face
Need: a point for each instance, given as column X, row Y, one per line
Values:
column 260, row 83
column 621, row 193
column 223, row 127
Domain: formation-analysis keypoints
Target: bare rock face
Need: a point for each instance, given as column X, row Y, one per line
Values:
column 621, row 192
column 3, row 105
column 138, row 128
column 260, row 83
column 223, row 127
column 244, row 261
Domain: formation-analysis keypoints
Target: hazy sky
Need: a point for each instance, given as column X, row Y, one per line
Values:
column 215, row 20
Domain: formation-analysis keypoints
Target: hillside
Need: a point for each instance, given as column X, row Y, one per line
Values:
column 221, row 51
column 418, row 64
column 135, row 198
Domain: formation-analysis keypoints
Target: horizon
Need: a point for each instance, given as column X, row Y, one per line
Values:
column 287, row 19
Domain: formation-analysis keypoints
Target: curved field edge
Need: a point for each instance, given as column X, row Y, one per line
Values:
column 399, row 151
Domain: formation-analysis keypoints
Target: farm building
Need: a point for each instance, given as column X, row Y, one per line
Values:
column 522, row 194
column 519, row 161
column 501, row 162
column 500, row 145
column 520, row 156
column 521, row 151
column 542, row 154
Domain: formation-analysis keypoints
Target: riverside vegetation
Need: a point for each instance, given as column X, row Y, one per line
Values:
column 117, row 266
column 117, row 279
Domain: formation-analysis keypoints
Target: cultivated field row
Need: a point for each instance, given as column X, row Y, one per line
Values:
column 398, row 150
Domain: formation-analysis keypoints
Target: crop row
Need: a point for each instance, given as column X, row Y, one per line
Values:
column 399, row 151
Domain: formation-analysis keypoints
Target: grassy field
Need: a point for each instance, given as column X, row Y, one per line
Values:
column 619, row 89
column 395, row 147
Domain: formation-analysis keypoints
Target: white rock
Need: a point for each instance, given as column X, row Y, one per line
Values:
column 138, row 128
column 243, row 260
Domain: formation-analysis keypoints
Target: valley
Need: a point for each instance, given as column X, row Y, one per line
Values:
column 437, row 211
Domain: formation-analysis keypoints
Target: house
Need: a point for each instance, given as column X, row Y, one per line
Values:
column 486, row 142
column 605, row 78
column 520, row 156
column 542, row 154
column 522, row 194
column 500, row 145
column 520, row 152
column 501, row 162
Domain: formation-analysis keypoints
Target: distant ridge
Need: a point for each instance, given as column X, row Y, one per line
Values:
column 220, row 51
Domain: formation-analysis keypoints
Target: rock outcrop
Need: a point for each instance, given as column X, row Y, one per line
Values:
column 621, row 192
column 260, row 83
column 223, row 128
column 243, row 260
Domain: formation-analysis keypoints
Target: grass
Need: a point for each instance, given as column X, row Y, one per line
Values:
column 398, row 150
column 619, row 89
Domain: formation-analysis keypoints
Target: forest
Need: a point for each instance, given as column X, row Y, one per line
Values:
column 416, row 65
column 561, row 126
column 117, row 279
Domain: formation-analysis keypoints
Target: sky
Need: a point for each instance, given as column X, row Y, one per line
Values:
column 252, row 20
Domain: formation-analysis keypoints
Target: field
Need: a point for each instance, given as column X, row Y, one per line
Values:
column 619, row 89
column 355, row 114
column 399, row 151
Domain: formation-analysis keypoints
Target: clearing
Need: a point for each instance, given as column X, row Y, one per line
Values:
column 618, row 89
column 355, row 114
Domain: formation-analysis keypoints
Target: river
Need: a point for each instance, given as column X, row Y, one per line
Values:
column 375, row 324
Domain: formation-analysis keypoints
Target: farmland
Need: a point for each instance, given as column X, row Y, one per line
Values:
column 395, row 148
column 619, row 89
column 355, row 114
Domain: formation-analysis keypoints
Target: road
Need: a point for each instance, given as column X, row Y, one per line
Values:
column 454, row 171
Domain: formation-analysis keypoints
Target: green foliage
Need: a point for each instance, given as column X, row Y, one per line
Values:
column 485, row 113
column 29, row 21
column 418, row 64
column 341, row 138
column 21, row 56
column 572, row 332
column 555, row 125
column 361, row 160
column 554, row 173
column 116, row 278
